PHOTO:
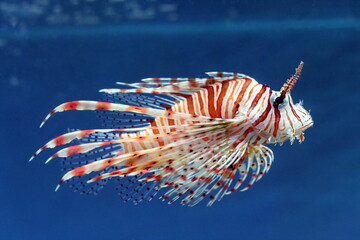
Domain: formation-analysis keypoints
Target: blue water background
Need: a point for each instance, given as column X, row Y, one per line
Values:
column 312, row 190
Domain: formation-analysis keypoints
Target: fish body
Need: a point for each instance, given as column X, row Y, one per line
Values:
column 195, row 137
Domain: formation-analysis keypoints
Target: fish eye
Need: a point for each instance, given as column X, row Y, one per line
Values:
column 279, row 101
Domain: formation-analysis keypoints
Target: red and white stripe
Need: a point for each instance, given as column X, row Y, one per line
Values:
column 197, row 145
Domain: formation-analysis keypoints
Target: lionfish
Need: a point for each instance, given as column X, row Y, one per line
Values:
column 196, row 138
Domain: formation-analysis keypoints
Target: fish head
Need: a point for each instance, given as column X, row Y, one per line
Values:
column 290, row 119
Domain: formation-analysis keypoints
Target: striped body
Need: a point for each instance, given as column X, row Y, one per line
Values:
column 197, row 137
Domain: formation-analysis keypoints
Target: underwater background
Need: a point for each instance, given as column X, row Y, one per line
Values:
column 53, row 51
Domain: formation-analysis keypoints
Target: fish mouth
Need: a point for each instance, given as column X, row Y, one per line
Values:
column 309, row 124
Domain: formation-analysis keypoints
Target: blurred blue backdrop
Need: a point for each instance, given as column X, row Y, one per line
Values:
column 56, row 51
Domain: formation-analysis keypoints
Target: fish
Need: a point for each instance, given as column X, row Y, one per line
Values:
column 189, row 138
